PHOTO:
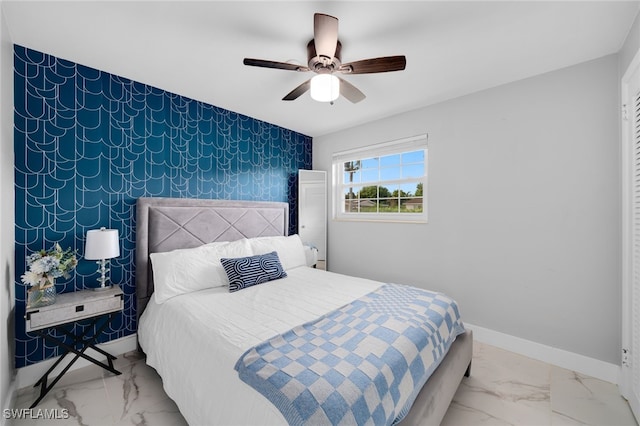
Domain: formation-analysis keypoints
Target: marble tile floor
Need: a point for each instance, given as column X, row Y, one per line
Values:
column 504, row 389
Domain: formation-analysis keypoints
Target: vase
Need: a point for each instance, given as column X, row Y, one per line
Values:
column 37, row 296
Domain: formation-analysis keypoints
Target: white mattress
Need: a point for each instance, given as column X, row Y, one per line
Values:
column 194, row 340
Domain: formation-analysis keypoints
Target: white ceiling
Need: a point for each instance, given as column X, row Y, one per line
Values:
column 196, row 48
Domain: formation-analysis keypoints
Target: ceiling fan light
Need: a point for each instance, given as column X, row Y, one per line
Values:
column 325, row 88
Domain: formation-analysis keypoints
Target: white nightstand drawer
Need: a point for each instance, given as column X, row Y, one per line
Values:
column 75, row 306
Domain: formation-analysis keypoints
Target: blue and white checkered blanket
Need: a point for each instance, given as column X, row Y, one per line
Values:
column 361, row 364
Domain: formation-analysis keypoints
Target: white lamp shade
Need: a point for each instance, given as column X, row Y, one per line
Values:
column 102, row 244
column 325, row 88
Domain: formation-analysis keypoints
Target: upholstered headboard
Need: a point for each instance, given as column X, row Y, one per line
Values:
column 165, row 224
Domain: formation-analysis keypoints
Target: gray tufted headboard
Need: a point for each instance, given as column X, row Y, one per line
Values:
column 165, row 224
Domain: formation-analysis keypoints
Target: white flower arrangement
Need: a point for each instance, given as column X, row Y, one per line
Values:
column 45, row 266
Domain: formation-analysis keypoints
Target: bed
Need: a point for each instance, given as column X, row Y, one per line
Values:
column 195, row 339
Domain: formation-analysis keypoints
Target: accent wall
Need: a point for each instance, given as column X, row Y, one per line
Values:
column 89, row 143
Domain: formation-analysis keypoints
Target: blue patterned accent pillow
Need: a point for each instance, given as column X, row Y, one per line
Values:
column 248, row 271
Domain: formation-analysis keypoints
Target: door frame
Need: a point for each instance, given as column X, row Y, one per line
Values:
column 630, row 360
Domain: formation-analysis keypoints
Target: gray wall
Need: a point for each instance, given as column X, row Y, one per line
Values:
column 630, row 47
column 6, row 212
column 524, row 208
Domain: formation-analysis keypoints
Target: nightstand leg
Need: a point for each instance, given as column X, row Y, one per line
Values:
column 77, row 339
column 46, row 375
column 44, row 389
column 86, row 344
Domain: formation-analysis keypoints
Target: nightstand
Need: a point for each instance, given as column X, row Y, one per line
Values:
column 311, row 254
column 69, row 308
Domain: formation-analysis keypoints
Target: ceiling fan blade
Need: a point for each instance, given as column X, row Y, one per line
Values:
column 325, row 34
column 273, row 64
column 351, row 92
column 374, row 65
column 295, row 93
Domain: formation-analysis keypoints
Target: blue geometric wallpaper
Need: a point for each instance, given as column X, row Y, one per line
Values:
column 89, row 143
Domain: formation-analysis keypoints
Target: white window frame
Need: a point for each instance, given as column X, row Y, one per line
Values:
column 409, row 144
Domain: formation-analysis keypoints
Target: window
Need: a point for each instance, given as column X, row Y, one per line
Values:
column 385, row 182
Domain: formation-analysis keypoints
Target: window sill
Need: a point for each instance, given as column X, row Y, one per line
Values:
column 380, row 220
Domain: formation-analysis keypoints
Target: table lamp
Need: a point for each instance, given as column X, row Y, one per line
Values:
column 102, row 244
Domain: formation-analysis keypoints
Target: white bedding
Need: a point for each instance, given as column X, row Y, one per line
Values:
column 194, row 340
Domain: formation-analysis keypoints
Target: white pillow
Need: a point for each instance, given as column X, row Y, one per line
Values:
column 290, row 249
column 185, row 270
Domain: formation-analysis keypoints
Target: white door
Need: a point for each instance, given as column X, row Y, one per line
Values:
column 312, row 209
column 630, row 380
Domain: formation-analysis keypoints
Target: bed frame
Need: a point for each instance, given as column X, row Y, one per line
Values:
column 165, row 224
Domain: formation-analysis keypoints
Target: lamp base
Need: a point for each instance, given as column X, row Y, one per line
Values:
column 102, row 288
column 103, row 280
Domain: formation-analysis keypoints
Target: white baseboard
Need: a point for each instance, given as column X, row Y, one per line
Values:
column 10, row 401
column 602, row 370
column 29, row 375
column 571, row 361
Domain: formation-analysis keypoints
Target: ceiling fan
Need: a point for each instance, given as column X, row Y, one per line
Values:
column 324, row 59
